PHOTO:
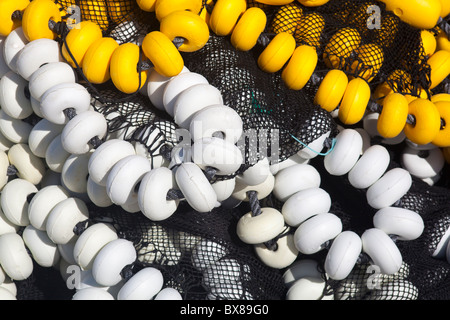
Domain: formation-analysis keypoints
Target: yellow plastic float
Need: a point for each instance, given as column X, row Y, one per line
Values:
column 79, row 40
column 371, row 56
column 36, row 17
column 393, row 115
column 427, row 121
column 274, row 2
column 300, row 67
column 248, row 29
column 187, row 25
column 286, row 18
column 445, row 8
column 277, row 52
column 204, row 13
column 440, row 67
column 429, row 42
column 313, row 3
column 165, row 7
column 97, row 60
column 101, row 58
column 7, row 8
column 440, row 97
column 354, row 102
column 442, row 139
column 331, row 90
column 309, row 29
column 162, row 53
column 146, row 5
column 123, row 70
column 119, row 10
column 421, row 94
column 225, row 15
column 442, row 41
column 340, row 46
column 417, row 13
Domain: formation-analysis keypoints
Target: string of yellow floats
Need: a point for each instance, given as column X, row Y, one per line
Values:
column 292, row 48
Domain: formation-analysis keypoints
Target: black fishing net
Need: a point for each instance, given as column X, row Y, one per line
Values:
column 200, row 254
column 272, row 114
column 363, row 39
column 422, row 276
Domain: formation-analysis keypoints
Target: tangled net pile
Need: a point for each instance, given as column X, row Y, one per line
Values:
column 283, row 121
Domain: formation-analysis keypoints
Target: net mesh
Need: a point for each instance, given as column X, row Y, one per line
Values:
column 363, row 39
column 200, row 254
column 422, row 276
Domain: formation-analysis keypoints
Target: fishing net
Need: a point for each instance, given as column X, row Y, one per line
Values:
column 362, row 39
column 200, row 254
column 421, row 276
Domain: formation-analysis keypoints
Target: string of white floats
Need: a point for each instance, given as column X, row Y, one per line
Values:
column 52, row 85
column 76, row 145
column 50, row 216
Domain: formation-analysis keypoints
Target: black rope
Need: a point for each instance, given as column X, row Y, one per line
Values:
column 95, row 142
column 254, row 203
column 443, row 124
column 81, row 226
column 374, row 107
column 264, row 38
column 363, row 258
column 423, row 153
column 178, row 41
column 60, row 28
column 26, row 91
column 327, row 244
column 394, row 237
column 144, row 65
column 17, row 15
column 166, row 151
column 398, row 203
column 209, row 7
column 410, row 119
column 255, row 208
column 328, row 143
column 127, row 272
column 376, row 140
column 273, row 243
column 316, row 79
column 444, row 25
column 219, row 134
column 11, row 171
column 210, row 173
column 174, row 194
column 31, row 196
column 70, row 113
